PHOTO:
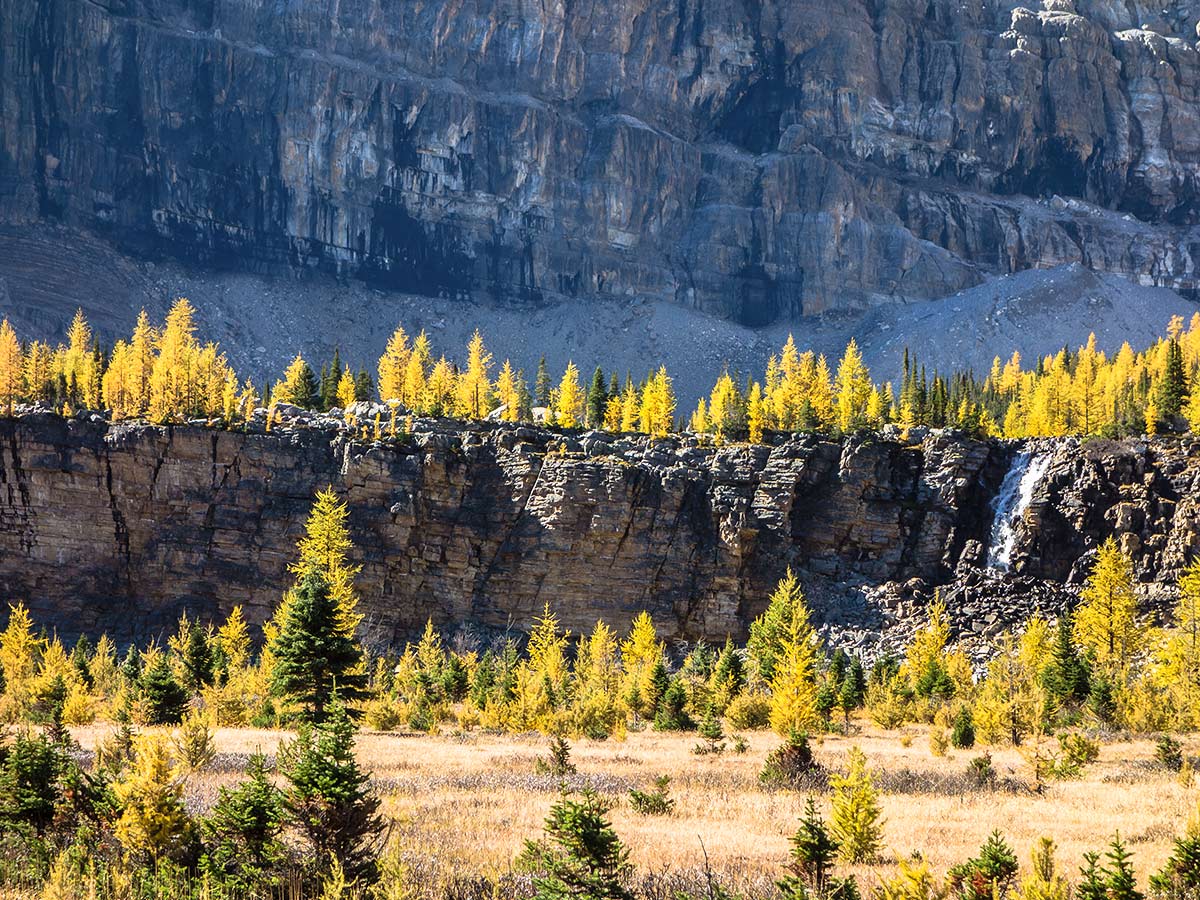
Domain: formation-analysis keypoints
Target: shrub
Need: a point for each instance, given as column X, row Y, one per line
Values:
column 749, row 712
column 655, row 802
column 939, row 742
column 962, row 732
column 981, row 770
column 713, row 735
column 558, row 763
column 1075, row 752
column 791, row 765
column 382, row 714
column 740, row 744
column 1169, row 753
column 914, row 881
column 580, row 855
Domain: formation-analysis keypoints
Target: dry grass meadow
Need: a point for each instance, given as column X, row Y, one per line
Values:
column 464, row 804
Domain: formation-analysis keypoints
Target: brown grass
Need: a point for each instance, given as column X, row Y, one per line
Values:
column 465, row 804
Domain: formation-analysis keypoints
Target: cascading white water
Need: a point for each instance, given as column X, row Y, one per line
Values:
column 1016, row 492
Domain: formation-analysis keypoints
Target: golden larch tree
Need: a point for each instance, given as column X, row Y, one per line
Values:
column 12, row 368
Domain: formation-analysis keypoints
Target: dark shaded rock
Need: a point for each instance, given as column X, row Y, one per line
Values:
column 754, row 160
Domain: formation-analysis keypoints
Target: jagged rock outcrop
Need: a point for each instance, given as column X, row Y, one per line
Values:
column 755, row 160
column 122, row 527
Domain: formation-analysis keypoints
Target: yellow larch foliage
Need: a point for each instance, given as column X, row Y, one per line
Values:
column 506, row 392
column 1106, row 619
column 393, row 366
column 346, row 390
column 173, row 378
column 853, row 390
column 12, row 368
column 473, row 395
column 154, row 823
column 658, row 404
column 568, row 407
column 794, row 681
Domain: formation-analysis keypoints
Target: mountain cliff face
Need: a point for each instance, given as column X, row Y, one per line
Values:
column 121, row 528
column 758, row 160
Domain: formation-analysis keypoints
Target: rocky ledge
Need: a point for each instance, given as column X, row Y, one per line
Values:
column 121, row 527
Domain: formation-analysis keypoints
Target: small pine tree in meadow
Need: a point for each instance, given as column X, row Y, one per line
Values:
column 328, row 798
column 989, row 874
column 1091, row 884
column 1179, row 879
column 712, row 733
column 1119, row 878
column 243, row 833
column 810, row 872
column 791, row 765
column 962, row 730
column 559, row 763
column 671, row 714
column 163, row 697
column 1169, row 753
column 656, row 802
column 29, row 783
column 857, row 819
column 580, row 856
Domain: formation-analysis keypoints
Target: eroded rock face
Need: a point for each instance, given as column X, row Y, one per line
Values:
column 755, row 160
column 121, row 528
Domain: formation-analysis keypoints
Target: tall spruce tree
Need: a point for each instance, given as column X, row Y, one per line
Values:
column 541, row 385
column 314, row 657
column 597, row 397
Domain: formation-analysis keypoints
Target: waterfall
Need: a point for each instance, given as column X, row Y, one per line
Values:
column 1013, row 498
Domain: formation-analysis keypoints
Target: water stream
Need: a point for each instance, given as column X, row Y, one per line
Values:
column 1013, row 498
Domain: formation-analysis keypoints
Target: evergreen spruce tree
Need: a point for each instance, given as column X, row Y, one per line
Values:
column 541, row 385
column 1066, row 677
column 580, row 855
column 1119, row 879
column 597, row 398
column 712, row 733
column 243, row 831
column 30, row 768
column 313, row 656
column 364, row 386
column 1091, row 885
column 197, row 659
column 1172, row 387
column 989, row 874
column 671, row 712
column 328, row 798
column 810, row 873
column 164, row 698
